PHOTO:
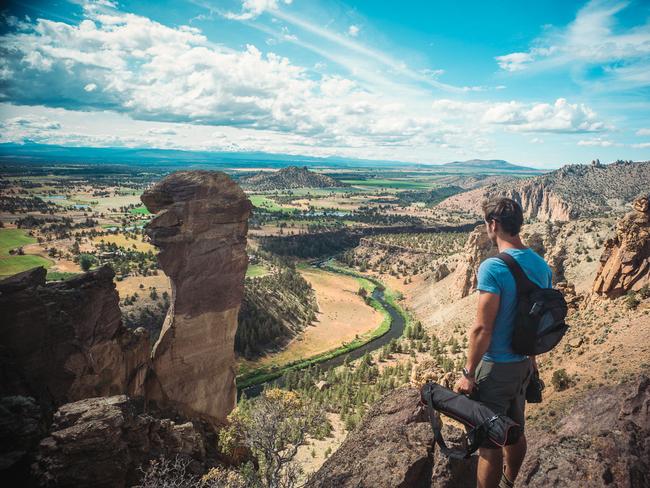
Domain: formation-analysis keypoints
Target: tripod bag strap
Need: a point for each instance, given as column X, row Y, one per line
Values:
column 436, row 425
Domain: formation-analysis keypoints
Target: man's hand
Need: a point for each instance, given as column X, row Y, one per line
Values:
column 465, row 385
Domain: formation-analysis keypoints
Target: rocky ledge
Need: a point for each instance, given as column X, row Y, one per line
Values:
column 393, row 447
column 103, row 442
column 603, row 440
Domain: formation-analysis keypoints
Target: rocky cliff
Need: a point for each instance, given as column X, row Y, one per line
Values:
column 102, row 442
column 477, row 249
column 200, row 227
column 602, row 441
column 59, row 342
column 570, row 192
column 625, row 262
column 64, row 341
column 393, row 447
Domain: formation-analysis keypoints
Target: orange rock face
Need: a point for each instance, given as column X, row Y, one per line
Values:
column 477, row 249
column 625, row 263
column 200, row 227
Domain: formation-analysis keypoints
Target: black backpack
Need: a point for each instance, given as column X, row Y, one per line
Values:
column 539, row 320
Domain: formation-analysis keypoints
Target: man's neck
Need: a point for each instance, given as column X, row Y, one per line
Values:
column 510, row 242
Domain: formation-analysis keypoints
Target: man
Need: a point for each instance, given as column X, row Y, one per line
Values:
column 494, row 374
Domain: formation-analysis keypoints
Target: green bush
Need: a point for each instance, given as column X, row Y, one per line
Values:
column 631, row 301
column 561, row 380
column 86, row 261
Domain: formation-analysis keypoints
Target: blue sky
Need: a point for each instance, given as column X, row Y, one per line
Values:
column 543, row 83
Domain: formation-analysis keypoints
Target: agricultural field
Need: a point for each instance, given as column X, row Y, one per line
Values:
column 12, row 239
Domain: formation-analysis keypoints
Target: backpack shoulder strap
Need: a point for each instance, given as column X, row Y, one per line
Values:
column 524, row 285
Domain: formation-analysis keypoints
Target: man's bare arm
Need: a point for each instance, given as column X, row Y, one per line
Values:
column 481, row 333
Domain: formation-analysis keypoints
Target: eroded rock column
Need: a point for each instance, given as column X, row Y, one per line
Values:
column 477, row 249
column 200, row 228
column 625, row 263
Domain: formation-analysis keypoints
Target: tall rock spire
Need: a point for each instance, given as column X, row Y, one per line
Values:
column 200, row 227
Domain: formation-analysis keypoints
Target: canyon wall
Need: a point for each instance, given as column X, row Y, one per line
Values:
column 537, row 200
column 625, row 262
column 200, row 227
column 63, row 341
column 567, row 193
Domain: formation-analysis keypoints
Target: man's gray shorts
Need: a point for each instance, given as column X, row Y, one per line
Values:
column 502, row 387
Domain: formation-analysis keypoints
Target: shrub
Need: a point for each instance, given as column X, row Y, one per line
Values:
column 644, row 292
column 561, row 380
column 86, row 261
column 631, row 301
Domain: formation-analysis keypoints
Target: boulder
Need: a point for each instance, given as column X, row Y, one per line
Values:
column 63, row 341
column 625, row 262
column 102, row 442
column 478, row 248
column 393, row 447
column 573, row 300
column 441, row 271
column 200, row 226
column 604, row 440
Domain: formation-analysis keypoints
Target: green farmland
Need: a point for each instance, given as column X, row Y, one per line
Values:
column 11, row 264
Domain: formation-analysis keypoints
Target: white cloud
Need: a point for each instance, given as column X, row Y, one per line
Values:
column 157, row 73
column 643, row 132
column 641, row 145
column 597, row 142
column 165, row 131
column 254, row 8
column 28, row 127
column 514, row 61
column 353, row 30
column 173, row 85
column 560, row 116
column 592, row 39
column 537, row 140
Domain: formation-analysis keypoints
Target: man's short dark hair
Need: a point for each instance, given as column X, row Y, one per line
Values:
column 505, row 211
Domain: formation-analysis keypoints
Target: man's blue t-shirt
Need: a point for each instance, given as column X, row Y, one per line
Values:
column 494, row 276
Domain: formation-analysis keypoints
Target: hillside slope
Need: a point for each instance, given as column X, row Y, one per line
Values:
column 567, row 193
column 289, row 177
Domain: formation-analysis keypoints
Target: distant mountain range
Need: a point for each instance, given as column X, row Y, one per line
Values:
column 172, row 158
column 289, row 177
column 490, row 165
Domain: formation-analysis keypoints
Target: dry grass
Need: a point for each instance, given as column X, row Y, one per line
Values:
column 342, row 316
column 131, row 284
column 125, row 241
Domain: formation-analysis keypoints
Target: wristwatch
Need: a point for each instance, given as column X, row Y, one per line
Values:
column 467, row 375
